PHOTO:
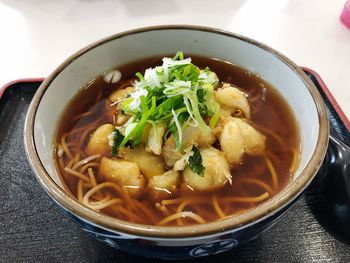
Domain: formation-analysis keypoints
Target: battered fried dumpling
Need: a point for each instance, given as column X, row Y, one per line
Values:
column 99, row 141
column 231, row 141
column 120, row 94
column 233, row 99
column 216, row 172
column 191, row 136
column 169, row 152
column 239, row 137
column 124, row 173
column 254, row 141
column 149, row 164
column 195, row 136
column 155, row 138
column 164, row 185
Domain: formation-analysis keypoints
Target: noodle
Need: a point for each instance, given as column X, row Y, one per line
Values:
column 269, row 132
column 115, row 209
column 273, row 174
column 97, row 188
column 70, row 163
column 104, row 199
column 217, row 207
column 104, row 204
column 88, row 165
column 237, row 213
column 77, row 174
column 173, row 217
column 130, row 215
column 85, row 161
column 92, row 177
column 172, row 201
column 122, row 192
column 101, row 204
column 260, row 183
column 146, row 212
column 80, row 190
column 163, row 209
column 296, row 157
column 272, row 156
column 87, row 185
column 65, row 147
column 179, row 200
column 247, row 199
column 180, row 208
column 61, row 162
column 76, row 159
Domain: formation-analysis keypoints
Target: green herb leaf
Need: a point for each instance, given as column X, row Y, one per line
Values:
column 117, row 139
column 195, row 162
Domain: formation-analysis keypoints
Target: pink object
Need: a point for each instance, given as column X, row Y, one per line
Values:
column 345, row 15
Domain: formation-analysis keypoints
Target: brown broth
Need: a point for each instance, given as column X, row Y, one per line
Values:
column 269, row 110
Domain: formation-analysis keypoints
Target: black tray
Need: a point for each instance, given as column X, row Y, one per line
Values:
column 32, row 228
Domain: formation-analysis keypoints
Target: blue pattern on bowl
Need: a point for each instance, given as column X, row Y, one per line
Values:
column 150, row 247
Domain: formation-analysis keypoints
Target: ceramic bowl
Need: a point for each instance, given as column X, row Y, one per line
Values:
column 187, row 241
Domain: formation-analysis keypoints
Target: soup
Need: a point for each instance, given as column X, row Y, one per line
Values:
column 184, row 141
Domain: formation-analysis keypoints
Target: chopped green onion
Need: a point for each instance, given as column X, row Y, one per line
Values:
column 177, row 94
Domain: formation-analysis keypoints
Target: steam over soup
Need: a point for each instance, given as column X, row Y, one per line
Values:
column 176, row 141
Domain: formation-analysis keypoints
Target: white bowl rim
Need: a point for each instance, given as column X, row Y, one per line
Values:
column 259, row 213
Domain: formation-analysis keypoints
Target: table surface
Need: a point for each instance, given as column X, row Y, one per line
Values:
column 37, row 35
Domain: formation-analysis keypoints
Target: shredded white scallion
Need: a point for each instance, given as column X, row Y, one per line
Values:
column 195, row 124
column 166, row 72
column 177, row 87
column 172, row 63
column 154, row 77
column 136, row 98
column 202, row 75
column 178, row 125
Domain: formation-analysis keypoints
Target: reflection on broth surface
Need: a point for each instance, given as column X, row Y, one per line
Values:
column 192, row 142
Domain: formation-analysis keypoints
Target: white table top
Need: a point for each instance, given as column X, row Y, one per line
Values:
column 37, row 35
